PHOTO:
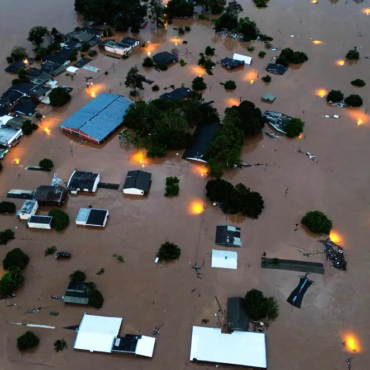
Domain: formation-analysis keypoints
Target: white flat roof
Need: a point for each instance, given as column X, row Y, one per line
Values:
column 5, row 119
column 83, row 214
column 97, row 333
column 72, row 69
column 238, row 348
column 247, row 60
column 224, row 259
column 145, row 346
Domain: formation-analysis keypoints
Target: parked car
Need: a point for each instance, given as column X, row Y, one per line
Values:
column 63, row 255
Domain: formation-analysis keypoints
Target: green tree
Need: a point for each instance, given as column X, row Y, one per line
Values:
column 198, row 84
column 262, row 54
column 267, row 79
column 218, row 190
column 210, row 51
column 6, row 235
column 233, row 8
column 217, row 6
column 247, row 28
column 294, row 127
column 168, row 251
column 230, row 85
column 353, row 55
column 79, row 5
column 148, row 62
column 335, row 96
column 59, row 345
column 180, row 8
column 72, row 56
column 37, row 34
column 15, row 259
column 7, row 207
column 287, row 56
column 10, row 282
column 156, row 8
column 28, row 127
column 59, row 96
column 134, row 80
column 27, row 341
column 358, row 82
column 77, row 276
column 60, row 219
column 353, row 100
column 46, row 164
column 214, row 168
column 317, row 222
column 96, row 299
column 259, row 307
column 172, row 186
column 226, row 21
column 19, row 53
column 23, row 75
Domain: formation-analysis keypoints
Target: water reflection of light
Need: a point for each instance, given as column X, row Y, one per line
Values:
column 232, row 101
column 360, row 122
column 251, row 76
column 196, row 207
column 140, row 157
column 314, row 1
column 351, row 342
column 93, row 94
column 359, row 116
column 200, row 170
column 300, row 136
column 47, row 131
column 336, row 237
column 149, row 53
column 16, row 160
column 321, row 93
column 317, row 42
column 366, row 11
column 341, row 62
column 197, row 70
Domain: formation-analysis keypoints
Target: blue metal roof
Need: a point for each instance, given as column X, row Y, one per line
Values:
column 99, row 117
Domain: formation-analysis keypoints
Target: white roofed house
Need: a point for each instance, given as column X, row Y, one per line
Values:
column 243, row 58
column 8, row 136
column 28, row 209
column 92, row 217
column 137, row 182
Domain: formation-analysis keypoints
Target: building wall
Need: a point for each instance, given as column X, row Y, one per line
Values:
column 133, row 191
column 26, row 216
column 117, row 50
column 32, row 225
column 81, row 134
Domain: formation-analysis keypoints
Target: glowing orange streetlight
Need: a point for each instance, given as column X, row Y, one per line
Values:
column 25, row 61
column 196, row 207
column 341, row 62
column 16, row 160
column 336, row 237
column 149, row 53
column 47, row 130
column 366, row 11
column 321, row 93
column 317, row 42
column 314, row 1
column 360, row 122
column 200, row 170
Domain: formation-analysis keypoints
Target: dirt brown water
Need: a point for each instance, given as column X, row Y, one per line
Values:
column 146, row 294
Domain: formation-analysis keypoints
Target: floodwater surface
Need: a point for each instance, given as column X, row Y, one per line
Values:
column 145, row 294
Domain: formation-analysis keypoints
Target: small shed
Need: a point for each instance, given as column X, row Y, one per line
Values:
column 50, row 195
column 165, row 58
column 39, row 222
column 77, row 293
column 237, row 318
column 228, row 235
column 244, row 58
column 224, row 259
column 29, row 208
column 268, row 98
column 92, row 217
column 137, row 182
column 83, row 181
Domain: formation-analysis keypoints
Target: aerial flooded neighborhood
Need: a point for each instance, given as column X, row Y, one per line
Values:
column 184, row 184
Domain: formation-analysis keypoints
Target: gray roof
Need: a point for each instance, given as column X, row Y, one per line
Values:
column 269, row 97
column 138, row 180
column 28, row 206
column 39, row 90
column 38, row 76
column 237, row 318
column 77, row 293
column 6, row 134
column 99, row 117
column 16, row 122
column 129, row 41
column 82, row 180
column 44, row 220
column 228, row 235
column 48, row 193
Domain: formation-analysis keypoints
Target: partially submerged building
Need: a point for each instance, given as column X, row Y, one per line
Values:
column 238, row 348
column 268, row 98
column 40, row 222
column 182, row 93
column 77, row 293
column 229, row 236
column 29, row 209
column 117, row 48
column 203, row 136
column 130, row 41
column 243, row 58
column 231, row 63
column 50, row 195
column 52, row 68
column 137, row 183
column 17, row 65
column 38, row 76
column 97, row 119
column 278, row 69
column 83, row 181
column 92, row 217
column 9, row 136
column 277, row 120
column 237, row 318
column 101, row 334
column 224, row 259
column 25, row 107
column 165, row 58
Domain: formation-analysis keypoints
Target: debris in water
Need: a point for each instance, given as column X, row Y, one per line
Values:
column 334, row 253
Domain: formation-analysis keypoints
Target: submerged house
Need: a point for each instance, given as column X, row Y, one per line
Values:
column 9, row 136
column 117, row 48
column 17, row 65
column 83, row 181
column 229, row 236
column 243, row 58
column 77, row 293
column 92, row 217
column 29, row 208
column 202, row 138
column 231, row 63
column 277, row 120
column 40, row 222
column 38, row 76
column 130, row 41
column 182, row 93
column 137, row 183
column 278, row 69
column 49, row 195
column 165, row 58
column 237, row 318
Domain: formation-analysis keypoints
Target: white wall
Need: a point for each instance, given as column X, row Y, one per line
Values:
column 117, row 50
column 133, row 191
column 38, row 226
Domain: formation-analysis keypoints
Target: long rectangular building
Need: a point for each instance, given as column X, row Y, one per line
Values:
column 99, row 118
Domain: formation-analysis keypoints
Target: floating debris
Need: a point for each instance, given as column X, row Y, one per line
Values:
column 273, row 135
column 334, row 253
column 33, row 310
column 309, row 155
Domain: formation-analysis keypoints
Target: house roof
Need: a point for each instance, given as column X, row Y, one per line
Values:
column 15, row 66
column 268, row 97
column 39, row 90
column 100, row 117
column 237, row 318
column 77, row 293
column 28, row 206
column 277, row 120
column 180, row 93
column 48, row 193
column 53, row 68
column 44, row 220
column 164, row 58
column 138, row 180
column 224, row 259
column 10, row 97
column 5, row 119
column 71, row 44
column 25, row 107
column 93, row 31
column 6, row 134
column 246, row 59
column 56, row 59
column 16, row 122
column 231, row 63
column 106, row 41
column 82, row 62
column 276, row 68
column 127, row 343
column 38, row 76
column 238, row 348
column 228, row 235
column 82, row 180
column 97, row 333
column 97, row 217
column 203, row 136
column 64, row 53
column 23, row 88
column 129, row 41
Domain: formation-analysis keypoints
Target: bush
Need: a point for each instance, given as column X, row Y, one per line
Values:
column 82, row 55
column 50, row 251
column 358, row 82
column 181, row 31
column 59, row 96
column 262, row 54
column 59, row 345
column 172, row 186
column 259, row 307
column 260, row 3
column 230, row 85
column 46, row 164
column 317, row 222
column 155, row 88
column 353, row 100
column 184, row 42
column 183, row 63
column 199, row 84
column 187, row 29
column 27, row 341
column 85, row 46
column 287, row 56
column 6, row 236
column 7, row 207
column 14, row 259
column 19, row 53
column 72, row 56
column 107, row 32
column 168, row 251
column 148, row 62
column 163, row 67
column 10, row 282
column 92, row 53
column 267, row 79
column 16, row 81
column 210, row 51
column 77, row 276
column 96, row 299
column 334, row 96
column 353, row 55
column 60, row 219
column 294, row 127
column 250, row 48
column 214, row 169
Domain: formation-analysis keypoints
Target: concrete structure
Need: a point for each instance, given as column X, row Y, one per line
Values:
column 83, row 181
column 99, row 118
column 92, row 217
column 228, row 236
column 277, row 120
column 29, row 208
column 137, row 182
column 224, row 259
column 239, row 348
column 77, row 293
column 237, row 318
column 40, row 222
column 243, row 58
column 9, row 135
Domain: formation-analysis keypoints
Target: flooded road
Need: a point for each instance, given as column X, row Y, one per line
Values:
column 334, row 309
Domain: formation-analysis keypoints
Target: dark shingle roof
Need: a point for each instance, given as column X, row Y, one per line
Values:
column 56, row 59
column 10, row 97
column 203, row 136
column 228, row 235
column 276, row 68
column 164, row 58
column 180, row 93
column 138, row 180
column 129, row 41
column 25, row 107
column 83, row 180
column 97, row 217
column 48, row 193
column 53, row 68
column 237, row 318
column 126, row 343
column 15, row 66
column 39, row 90
column 231, row 63
column 77, row 293
column 46, row 220
column 38, row 76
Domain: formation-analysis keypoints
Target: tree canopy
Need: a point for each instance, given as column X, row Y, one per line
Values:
column 353, row 100
column 288, row 56
column 59, row 96
column 248, row 29
column 134, row 80
column 96, row 299
column 353, row 55
column 15, row 259
column 233, row 8
column 216, row 6
column 169, row 251
column 7, row 207
column 230, row 85
column 358, row 82
column 77, row 277
column 37, row 34
column 180, row 8
column 19, row 53
column 46, row 164
column 317, row 222
column 27, row 341
column 198, row 84
column 259, row 307
column 6, row 235
column 334, row 96
column 10, row 282
column 60, row 219
column 294, row 127
column 28, row 127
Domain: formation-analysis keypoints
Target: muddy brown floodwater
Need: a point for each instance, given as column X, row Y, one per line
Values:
column 335, row 309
